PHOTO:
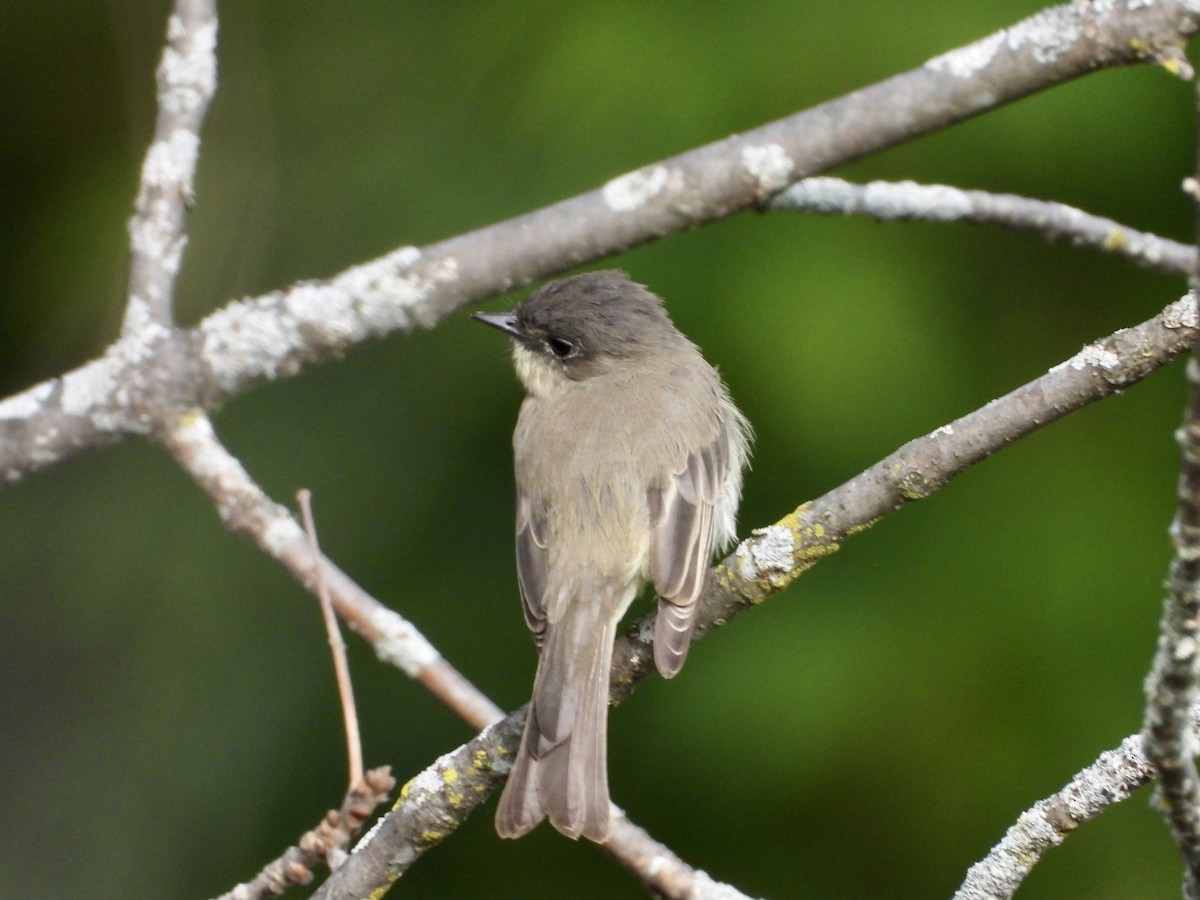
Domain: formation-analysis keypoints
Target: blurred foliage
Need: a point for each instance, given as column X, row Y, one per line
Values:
column 170, row 720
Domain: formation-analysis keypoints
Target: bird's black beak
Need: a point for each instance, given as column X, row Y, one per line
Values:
column 506, row 322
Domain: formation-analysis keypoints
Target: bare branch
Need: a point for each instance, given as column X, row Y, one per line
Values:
column 245, row 509
column 658, row 868
column 277, row 334
column 771, row 558
column 888, row 201
column 1109, row 780
column 187, row 79
column 1172, row 686
column 430, row 809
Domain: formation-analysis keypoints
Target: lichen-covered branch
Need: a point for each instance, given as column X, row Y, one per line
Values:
column 1174, row 680
column 1109, row 780
column 430, row 809
column 187, row 79
column 433, row 805
column 772, row 557
column 1171, row 689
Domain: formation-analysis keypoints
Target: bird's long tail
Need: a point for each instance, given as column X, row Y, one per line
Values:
column 561, row 768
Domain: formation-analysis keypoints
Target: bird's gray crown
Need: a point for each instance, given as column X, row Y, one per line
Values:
column 601, row 313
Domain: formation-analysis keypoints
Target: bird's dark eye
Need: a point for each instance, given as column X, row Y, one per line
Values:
column 560, row 347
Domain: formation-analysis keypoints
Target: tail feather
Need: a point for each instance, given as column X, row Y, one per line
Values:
column 560, row 770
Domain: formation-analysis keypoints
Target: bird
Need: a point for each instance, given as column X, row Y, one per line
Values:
column 628, row 459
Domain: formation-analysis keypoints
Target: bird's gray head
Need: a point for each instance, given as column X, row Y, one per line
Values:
column 582, row 327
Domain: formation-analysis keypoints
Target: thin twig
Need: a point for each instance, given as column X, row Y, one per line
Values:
column 336, row 645
column 1109, row 780
column 888, row 201
column 325, row 843
column 659, row 869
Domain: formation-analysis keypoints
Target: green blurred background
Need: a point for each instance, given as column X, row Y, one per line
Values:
column 168, row 713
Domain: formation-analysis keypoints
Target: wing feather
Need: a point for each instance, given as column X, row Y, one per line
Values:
column 532, row 566
column 682, row 546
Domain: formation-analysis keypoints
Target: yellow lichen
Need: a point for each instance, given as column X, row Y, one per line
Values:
column 859, row 529
column 403, row 793
column 191, row 417
column 810, row 544
column 479, row 762
column 376, row 894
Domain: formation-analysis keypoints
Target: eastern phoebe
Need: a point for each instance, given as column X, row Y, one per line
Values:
column 629, row 457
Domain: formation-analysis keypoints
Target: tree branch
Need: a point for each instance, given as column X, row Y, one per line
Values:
column 434, row 803
column 887, row 201
column 771, row 558
column 430, row 809
column 1172, row 688
column 337, row 646
column 245, row 509
column 658, row 868
column 187, row 79
column 1109, row 780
